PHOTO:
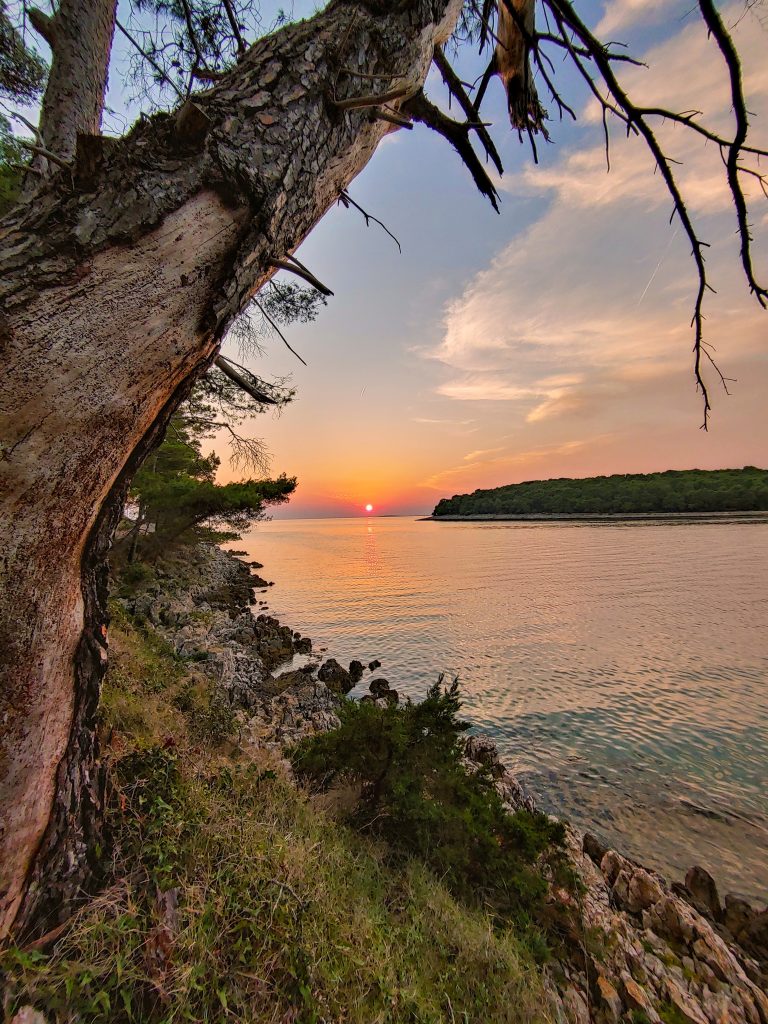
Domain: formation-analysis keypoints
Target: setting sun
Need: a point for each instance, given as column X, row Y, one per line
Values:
column 369, row 508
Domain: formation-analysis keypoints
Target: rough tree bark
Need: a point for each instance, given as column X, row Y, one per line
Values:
column 80, row 37
column 117, row 286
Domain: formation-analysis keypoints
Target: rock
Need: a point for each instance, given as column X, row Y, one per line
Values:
column 611, row 864
column 754, row 936
column 609, row 999
column 643, row 892
column 379, row 687
column 303, row 645
column 713, row 952
column 701, row 885
column 481, row 750
column 373, row 665
column 737, row 913
column 593, row 848
column 336, row 678
column 28, row 1015
column 685, row 1006
column 575, row 1006
column 356, row 671
column 392, row 697
column 671, row 919
column 636, row 998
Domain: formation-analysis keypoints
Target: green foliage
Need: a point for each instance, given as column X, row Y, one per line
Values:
column 22, row 76
column 22, row 70
column 417, row 795
column 232, row 897
column 695, row 490
column 178, row 502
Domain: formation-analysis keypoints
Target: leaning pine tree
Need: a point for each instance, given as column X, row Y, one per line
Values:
column 128, row 259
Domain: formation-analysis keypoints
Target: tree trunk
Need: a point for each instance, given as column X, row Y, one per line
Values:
column 118, row 284
column 80, row 37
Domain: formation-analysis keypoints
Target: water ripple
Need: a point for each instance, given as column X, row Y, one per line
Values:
column 623, row 669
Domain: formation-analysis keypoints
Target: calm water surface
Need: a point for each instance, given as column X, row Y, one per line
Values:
column 622, row 668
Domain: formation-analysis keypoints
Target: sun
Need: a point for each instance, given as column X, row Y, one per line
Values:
column 369, row 508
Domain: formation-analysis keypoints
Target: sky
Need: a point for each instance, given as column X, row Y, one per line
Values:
column 553, row 339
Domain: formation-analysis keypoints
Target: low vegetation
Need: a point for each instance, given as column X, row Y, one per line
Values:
column 694, row 490
column 417, row 795
column 230, row 894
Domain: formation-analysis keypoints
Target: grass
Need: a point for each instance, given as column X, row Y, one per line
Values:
column 236, row 897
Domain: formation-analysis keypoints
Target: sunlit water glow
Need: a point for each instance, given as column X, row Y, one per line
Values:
column 622, row 668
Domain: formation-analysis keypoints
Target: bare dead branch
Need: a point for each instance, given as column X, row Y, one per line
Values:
column 293, row 266
column 245, row 381
column 386, row 115
column 421, row 109
column 373, row 100
column 346, row 200
column 456, row 89
column 721, row 36
column 149, row 59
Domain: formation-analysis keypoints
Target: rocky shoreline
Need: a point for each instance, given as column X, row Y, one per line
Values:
column 641, row 950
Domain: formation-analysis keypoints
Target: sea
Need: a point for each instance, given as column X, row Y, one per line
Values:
column 621, row 666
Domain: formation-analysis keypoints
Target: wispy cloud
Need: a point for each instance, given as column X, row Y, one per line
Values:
column 589, row 309
column 501, row 466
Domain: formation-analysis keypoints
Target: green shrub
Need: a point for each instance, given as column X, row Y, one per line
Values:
column 416, row 794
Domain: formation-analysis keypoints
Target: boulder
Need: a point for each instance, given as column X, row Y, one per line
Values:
column 379, row 687
column 701, row 885
column 611, row 864
column 356, row 671
column 737, row 913
column 754, row 936
column 336, row 678
column 481, row 750
column 373, row 665
column 303, row 645
column 593, row 848
column 644, row 891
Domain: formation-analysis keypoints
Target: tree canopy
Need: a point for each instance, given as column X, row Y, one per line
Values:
column 174, row 498
column 693, row 490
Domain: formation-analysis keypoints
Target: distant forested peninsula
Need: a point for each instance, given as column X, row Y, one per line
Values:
column 690, row 490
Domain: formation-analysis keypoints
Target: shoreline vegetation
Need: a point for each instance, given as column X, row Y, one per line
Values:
column 243, row 880
column 604, row 517
column 675, row 493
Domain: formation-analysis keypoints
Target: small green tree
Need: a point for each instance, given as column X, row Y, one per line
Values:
column 417, row 795
column 175, row 498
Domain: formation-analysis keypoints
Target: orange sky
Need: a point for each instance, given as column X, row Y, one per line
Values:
column 553, row 340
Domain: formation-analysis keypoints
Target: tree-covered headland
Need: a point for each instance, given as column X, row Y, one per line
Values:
column 690, row 490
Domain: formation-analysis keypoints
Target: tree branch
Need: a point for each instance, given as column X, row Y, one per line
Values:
column 420, row 108
column 248, row 383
